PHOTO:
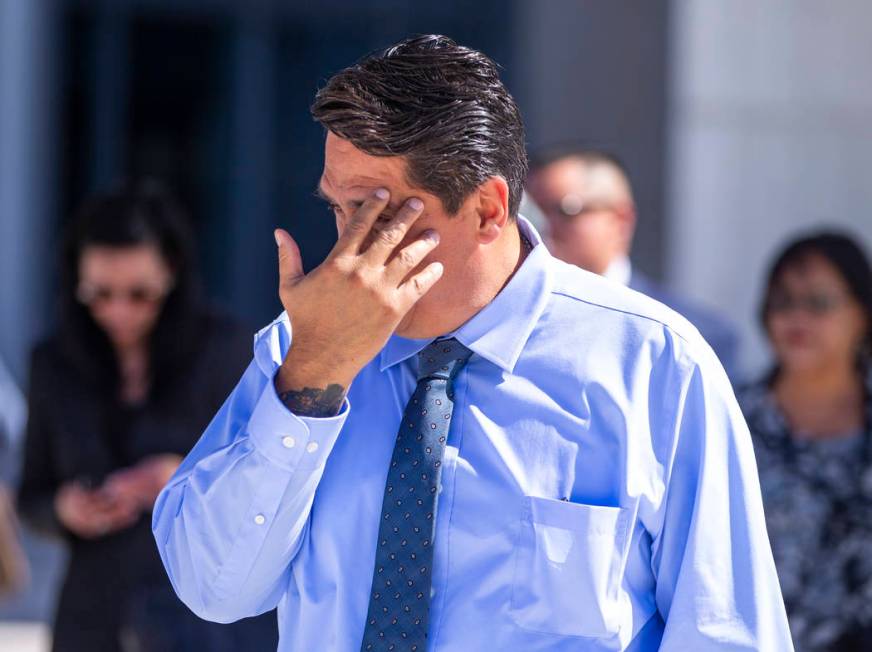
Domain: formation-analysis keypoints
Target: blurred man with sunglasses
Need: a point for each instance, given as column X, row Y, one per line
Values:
column 587, row 200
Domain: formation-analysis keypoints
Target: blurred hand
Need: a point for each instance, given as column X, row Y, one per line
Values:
column 91, row 514
column 140, row 484
column 344, row 311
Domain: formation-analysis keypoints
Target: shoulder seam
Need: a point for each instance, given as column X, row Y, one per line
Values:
column 622, row 311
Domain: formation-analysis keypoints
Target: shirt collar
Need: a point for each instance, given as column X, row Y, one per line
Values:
column 499, row 331
column 619, row 270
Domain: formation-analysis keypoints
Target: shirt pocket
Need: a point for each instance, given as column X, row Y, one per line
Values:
column 568, row 565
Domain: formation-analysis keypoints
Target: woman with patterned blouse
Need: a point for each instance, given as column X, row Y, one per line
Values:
column 811, row 421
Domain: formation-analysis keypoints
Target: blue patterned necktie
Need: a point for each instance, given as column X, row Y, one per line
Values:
column 399, row 602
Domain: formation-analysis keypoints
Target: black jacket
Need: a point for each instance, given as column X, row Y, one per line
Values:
column 75, row 432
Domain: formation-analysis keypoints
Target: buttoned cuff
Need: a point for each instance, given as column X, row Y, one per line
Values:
column 287, row 440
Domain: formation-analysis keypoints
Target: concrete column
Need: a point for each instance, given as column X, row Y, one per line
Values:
column 252, row 173
column 28, row 146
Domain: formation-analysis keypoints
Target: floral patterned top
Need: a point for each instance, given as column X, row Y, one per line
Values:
column 818, row 501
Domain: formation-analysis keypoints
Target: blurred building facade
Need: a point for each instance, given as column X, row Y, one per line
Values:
column 739, row 122
column 213, row 96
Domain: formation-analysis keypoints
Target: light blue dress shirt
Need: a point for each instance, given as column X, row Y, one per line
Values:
column 599, row 490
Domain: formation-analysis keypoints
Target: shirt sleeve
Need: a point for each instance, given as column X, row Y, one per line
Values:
column 13, row 414
column 717, row 588
column 231, row 520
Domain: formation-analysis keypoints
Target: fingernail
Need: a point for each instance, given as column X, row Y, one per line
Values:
column 382, row 193
column 278, row 240
column 430, row 234
column 416, row 204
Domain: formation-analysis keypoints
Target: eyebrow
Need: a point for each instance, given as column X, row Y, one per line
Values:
column 320, row 194
column 354, row 203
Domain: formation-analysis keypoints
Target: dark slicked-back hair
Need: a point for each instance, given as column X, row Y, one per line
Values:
column 440, row 105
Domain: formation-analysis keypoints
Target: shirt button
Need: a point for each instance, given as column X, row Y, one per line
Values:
column 260, row 519
column 288, row 442
column 312, row 446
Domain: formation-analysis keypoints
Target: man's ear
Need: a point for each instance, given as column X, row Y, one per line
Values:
column 492, row 209
column 626, row 212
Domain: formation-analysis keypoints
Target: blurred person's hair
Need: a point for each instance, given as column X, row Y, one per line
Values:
column 143, row 212
column 841, row 251
column 590, row 155
column 440, row 105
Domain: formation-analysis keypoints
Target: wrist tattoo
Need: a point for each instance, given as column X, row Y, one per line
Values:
column 314, row 402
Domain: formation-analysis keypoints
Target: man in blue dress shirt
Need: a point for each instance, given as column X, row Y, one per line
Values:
column 450, row 440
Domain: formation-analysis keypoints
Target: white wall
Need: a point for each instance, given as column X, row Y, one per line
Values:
column 770, row 132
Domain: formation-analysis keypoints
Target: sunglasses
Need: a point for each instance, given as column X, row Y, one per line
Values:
column 572, row 206
column 817, row 305
column 143, row 295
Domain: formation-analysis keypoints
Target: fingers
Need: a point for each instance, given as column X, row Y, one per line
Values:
column 112, row 521
column 290, row 261
column 96, row 517
column 419, row 284
column 359, row 226
column 410, row 256
column 120, row 487
column 387, row 238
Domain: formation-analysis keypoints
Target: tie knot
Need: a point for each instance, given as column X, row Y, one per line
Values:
column 442, row 359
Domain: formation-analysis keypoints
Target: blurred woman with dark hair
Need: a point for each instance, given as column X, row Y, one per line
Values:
column 811, row 421
column 123, row 390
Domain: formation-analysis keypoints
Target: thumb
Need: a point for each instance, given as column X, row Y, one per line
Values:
column 290, row 261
